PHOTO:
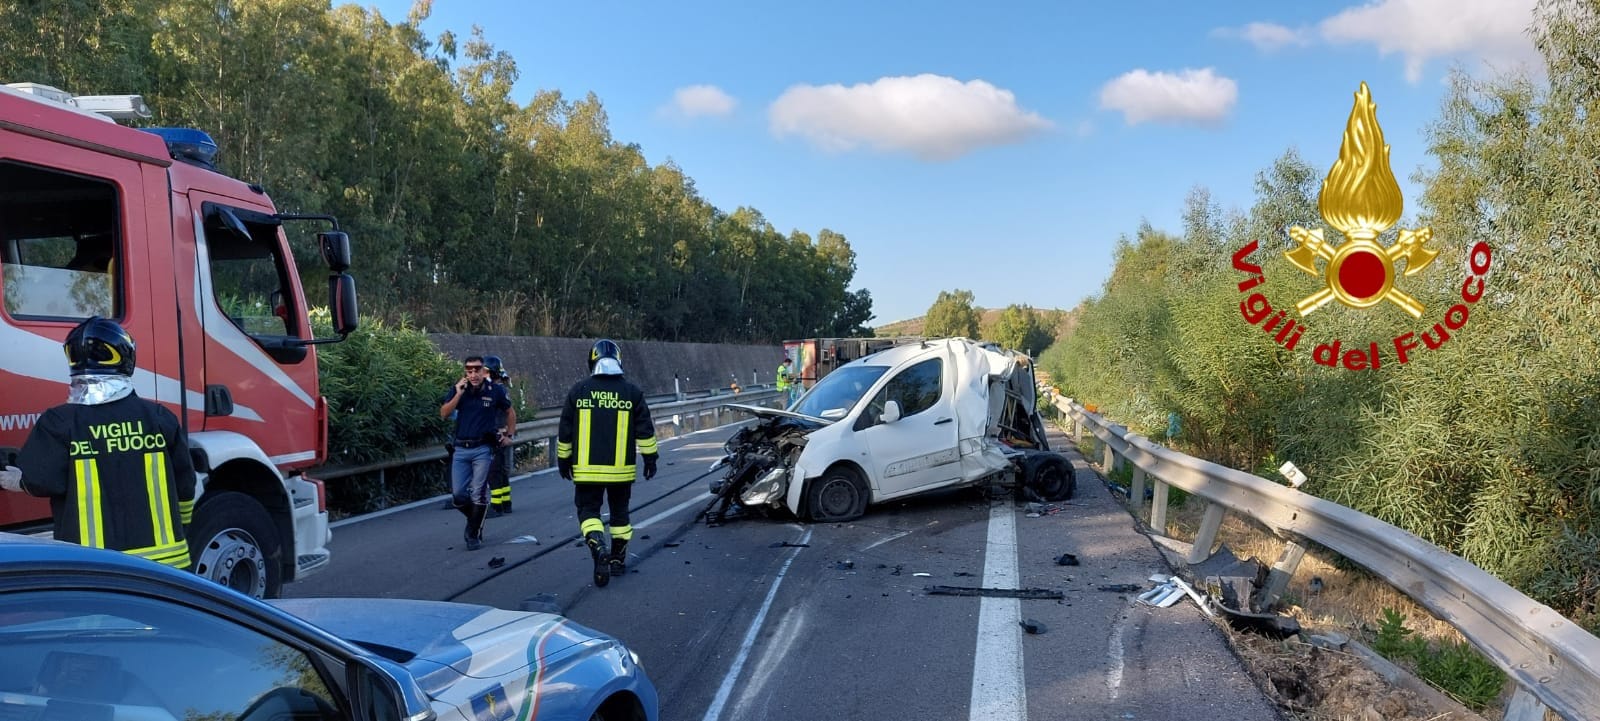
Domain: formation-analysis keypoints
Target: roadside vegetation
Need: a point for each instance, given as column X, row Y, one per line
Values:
column 1487, row 446
column 468, row 212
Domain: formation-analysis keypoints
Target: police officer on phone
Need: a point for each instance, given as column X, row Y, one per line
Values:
column 482, row 412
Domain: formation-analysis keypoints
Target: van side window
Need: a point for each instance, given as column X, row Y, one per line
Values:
column 60, row 244
column 249, row 274
column 916, row 389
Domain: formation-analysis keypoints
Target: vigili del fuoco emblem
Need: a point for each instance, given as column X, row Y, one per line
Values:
column 1361, row 199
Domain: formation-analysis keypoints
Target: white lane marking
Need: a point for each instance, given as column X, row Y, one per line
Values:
column 657, row 518
column 715, row 711
column 882, row 541
column 998, row 691
column 1114, row 673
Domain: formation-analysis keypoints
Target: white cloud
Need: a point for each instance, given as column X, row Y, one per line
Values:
column 1267, row 37
column 930, row 116
column 1420, row 30
column 697, row 100
column 1196, row 96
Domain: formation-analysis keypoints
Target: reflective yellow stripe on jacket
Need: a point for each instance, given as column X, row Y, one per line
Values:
column 91, row 527
column 584, row 469
column 166, row 547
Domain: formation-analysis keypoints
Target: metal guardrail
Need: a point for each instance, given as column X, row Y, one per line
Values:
column 1555, row 663
column 545, row 428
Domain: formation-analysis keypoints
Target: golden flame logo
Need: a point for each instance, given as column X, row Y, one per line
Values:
column 1361, row 199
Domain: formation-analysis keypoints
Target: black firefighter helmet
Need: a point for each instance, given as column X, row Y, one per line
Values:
column 496, row 368
column 604, row 348
column 99, row 346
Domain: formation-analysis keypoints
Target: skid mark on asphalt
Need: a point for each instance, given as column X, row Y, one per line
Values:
column 715, row 711
column 772, row 657
column 1115, row 654
column 884, row 540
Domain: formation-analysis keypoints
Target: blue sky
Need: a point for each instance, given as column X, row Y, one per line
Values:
column 1000, row 148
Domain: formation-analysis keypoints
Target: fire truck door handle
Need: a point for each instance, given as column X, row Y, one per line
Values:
column 219, row 402
column 942, row 421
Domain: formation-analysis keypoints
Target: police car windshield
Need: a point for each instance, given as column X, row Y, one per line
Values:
column 838, row 392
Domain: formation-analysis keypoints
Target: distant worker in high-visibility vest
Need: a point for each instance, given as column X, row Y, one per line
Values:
column 786, row 383
column 605, row 428
column 115, row 466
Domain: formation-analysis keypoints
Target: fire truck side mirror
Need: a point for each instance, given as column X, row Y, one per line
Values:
column 342, row 302
column 335, row 250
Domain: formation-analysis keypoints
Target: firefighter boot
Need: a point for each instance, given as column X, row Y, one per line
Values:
column 602, row 567
column 619, row 556
column 474, row 532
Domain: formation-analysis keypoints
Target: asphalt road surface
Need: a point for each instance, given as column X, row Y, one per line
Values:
column 764, row 618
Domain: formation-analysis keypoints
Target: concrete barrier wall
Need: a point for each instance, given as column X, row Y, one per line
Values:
column 547, row 368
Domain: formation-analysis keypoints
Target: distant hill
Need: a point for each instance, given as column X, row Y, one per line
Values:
column 986, row 318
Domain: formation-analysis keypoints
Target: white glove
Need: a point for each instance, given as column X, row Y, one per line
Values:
column 11, row 479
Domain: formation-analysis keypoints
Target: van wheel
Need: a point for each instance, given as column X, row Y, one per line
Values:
column 839, row 495
column 232, row 542
column 1051, row 480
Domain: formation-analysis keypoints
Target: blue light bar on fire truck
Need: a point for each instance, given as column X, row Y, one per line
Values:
column 188, row 144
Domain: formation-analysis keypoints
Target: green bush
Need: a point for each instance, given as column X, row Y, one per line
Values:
column 383, row 385
column 1455, row 668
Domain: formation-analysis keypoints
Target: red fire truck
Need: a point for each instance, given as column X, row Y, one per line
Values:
column 97, row 218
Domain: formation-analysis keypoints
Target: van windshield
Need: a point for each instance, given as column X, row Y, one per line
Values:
column 834, row 395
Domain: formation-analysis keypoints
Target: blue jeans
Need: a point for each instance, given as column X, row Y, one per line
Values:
column 469, row 475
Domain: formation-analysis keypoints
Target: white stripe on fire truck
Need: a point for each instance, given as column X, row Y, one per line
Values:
column 40, row 358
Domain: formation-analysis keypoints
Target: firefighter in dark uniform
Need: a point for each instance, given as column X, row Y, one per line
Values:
column 115, row 466
column 605, row 427
column 504, row 459
column 481, row 409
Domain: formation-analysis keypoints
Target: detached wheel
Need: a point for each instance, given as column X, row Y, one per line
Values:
column 839, row 495
column 232, row 542
column 1052, row 480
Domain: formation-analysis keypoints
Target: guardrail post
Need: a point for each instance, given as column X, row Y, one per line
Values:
column 1282, row 571
column 1158, row 508
column 1209, row 525
column 1136, row 491
column 550, row 450
column 1524, row 706
column 1110, row 460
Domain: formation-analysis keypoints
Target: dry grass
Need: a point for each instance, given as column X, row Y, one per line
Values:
column 1350, row 601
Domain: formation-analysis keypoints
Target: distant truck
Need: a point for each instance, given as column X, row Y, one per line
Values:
column 912, row 418
column 137, row 225
column 815, row 358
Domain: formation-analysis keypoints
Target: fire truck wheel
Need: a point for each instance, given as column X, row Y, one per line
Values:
column 232, row 542
column 839, row 495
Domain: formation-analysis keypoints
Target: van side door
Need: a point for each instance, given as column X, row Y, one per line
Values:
column 919, row 449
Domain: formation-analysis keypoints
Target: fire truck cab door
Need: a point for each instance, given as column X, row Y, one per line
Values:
column 259, row 378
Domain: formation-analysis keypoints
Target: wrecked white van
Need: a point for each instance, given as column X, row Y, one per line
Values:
column 914, row 418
